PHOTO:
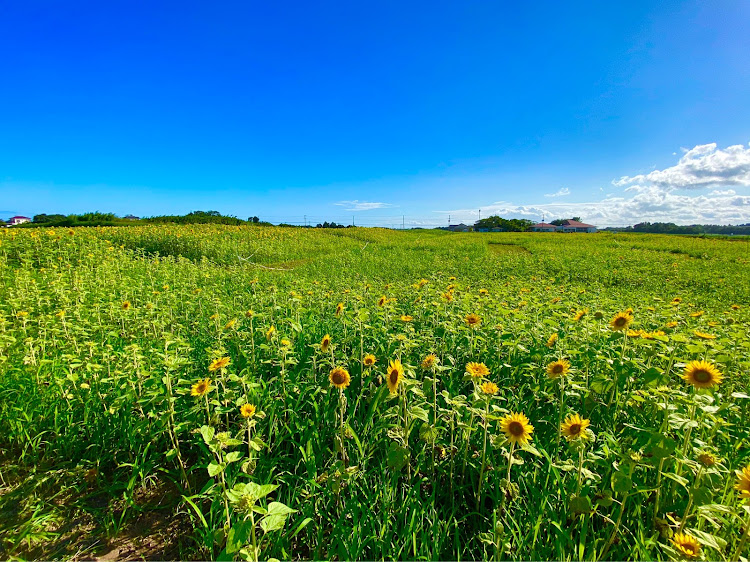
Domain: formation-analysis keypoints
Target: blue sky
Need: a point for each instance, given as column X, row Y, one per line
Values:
column 376, row 111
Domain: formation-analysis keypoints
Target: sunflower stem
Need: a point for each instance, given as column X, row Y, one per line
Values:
column 510, row 459
column 691, row 496
column 743, row 541
column 560, row 417
column 484, row 454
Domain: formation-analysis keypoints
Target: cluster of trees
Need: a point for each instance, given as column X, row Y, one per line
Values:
column 86, row 219
column 506, row 225
column 110, row 219
column 204, row 217
column 672, row 228
column 327, row 224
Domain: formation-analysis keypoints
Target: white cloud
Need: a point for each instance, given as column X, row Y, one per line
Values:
column 357, row 205
column 560, row 193
column 700, row 167
column 650, row 203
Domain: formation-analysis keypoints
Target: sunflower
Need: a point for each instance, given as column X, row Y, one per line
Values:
column 325, row 343
column 735, row 307
column 743, row 483
column 687, row 545
column 247, row 410
column 552, row 339
column 621, row 321
column 676, row 300
column 477, row 370
column 558, row 369
column 580, row 314
column 368, row 360
column 219, row 363
column 702, row 374
column 406, row 318
column 707, row 459
column 697, row 314
column 285, row 343
column 517, row 428
column 201, row 388
column 382, row 300
column 231, row 324
column 271, row 331
column 704, row 335
column 671, row 324
column 489, row 388
column 484, row 292
column 249, row 314
column 574, row 427
column 395, row 374
column 339, row 308
column 126, row 305
column 430, row 361
column 447, row 296
column 339, row 377
column 473, row 320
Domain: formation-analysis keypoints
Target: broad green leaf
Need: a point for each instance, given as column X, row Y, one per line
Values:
column 272, row 523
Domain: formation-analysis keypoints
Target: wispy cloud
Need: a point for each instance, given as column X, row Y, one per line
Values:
column 562, row 192
column 700, row 167
column 357, row 205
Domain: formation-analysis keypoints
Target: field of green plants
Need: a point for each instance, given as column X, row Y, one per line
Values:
column 221, row 392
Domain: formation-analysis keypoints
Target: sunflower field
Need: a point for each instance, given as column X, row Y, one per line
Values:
column 254, row 393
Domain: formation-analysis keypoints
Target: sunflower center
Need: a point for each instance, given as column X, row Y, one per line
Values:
column 557, row 369
column 202, row 387
column 515, row 428
column 338, row 377
column 620, row 321
column 691, row 549
column 393, row 376
column 702, row 375
column 575, row 428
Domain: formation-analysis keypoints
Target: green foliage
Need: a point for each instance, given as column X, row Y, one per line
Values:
column 105, row 333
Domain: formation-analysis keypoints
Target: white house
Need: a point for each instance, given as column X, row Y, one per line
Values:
column 18, row 219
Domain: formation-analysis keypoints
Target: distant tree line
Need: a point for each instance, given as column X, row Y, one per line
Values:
column 506, row 225
column 672, row 228
column 110, row 219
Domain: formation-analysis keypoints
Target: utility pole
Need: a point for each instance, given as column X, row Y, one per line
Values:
column 305, row 220
column 403, row 221
column 352, row 220
column 449, row 220
column 480, row 214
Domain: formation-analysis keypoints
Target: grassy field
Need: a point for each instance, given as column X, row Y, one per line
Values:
column 253, row 393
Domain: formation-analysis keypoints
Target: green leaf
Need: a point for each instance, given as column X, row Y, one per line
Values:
column 621, row 482
column 259, row 491
column 419, row 413
column 238, row 535
column 208, row 433
column 682, row 481
column 234, row 456
column 278, row 508
column 272, row 523
column 398, row 457
column 301, row 526
column 661, row 447
column 214, row 469
column 712, row 541
column 580, row 504
column 427, row 432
